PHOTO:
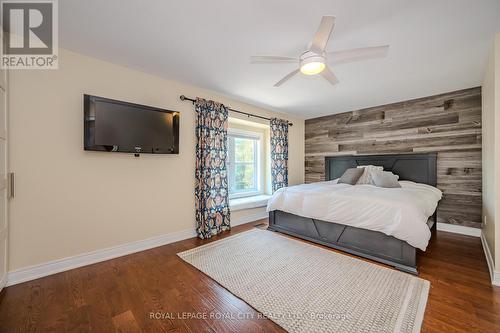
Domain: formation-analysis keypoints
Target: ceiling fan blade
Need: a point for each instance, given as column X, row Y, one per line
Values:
column 322, row 36
column 286, row 78
column 329, row 76
column 272, row 59
column 364, row 53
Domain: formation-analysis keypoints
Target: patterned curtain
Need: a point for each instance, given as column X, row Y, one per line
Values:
column 211, row 186
column 279, row 153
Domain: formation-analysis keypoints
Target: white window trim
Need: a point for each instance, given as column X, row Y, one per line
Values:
column 255, row 201
column 260, row 161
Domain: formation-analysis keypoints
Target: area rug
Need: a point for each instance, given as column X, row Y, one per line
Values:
column 306, row 288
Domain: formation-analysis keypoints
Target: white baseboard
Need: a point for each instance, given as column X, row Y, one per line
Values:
column 3, row 282
column 458, row 229
column 494, row 275
column 249, row 218
column 60, row 265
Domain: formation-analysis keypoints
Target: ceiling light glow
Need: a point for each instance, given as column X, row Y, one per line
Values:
column 312, row 68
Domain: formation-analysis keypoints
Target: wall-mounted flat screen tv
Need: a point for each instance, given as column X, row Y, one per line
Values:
column 116, row 126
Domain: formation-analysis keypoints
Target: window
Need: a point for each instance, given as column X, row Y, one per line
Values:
column 244, row 163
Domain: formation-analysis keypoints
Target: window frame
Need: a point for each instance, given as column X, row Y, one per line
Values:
column 258, row 162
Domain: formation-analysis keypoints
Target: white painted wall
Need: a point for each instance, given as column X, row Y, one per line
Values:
column 69, row 201
column 491, row 152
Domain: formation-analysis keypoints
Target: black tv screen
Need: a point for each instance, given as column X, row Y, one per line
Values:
column 117, row 126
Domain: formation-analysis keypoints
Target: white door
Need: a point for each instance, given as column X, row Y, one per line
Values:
column 3, row 178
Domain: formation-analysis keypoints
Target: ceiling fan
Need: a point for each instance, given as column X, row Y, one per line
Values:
column 314, row 60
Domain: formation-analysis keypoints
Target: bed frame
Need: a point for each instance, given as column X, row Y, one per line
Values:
column 365, row 243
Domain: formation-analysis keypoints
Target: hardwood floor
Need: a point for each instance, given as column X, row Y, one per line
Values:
column 121, row 295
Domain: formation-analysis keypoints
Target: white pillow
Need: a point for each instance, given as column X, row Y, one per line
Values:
column 366, row 177
column 371, row 166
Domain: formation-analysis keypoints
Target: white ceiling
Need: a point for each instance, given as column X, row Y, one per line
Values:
column 436, row 46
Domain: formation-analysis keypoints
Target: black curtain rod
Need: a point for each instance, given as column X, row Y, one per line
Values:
column 184, row 98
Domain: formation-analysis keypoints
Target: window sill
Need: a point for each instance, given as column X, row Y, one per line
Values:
column 255, row 201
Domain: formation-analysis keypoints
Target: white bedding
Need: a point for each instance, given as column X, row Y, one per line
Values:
column 399, row 212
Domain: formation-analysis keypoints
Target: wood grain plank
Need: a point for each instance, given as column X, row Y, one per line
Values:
column 125, row 323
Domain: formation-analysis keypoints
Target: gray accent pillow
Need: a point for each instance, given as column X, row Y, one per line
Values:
column 351, row 176
column 385, row 179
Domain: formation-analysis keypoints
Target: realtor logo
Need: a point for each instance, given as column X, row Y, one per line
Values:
column 30, row 34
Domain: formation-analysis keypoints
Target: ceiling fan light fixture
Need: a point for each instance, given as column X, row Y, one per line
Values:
column 312, row 63
column 313, row 60
column 312, row 68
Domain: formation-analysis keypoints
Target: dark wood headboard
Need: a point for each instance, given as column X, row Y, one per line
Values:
column 420, row 168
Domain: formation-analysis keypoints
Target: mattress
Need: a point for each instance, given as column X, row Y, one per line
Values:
column 398, row 212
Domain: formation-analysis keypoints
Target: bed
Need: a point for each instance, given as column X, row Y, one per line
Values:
column 416, row 171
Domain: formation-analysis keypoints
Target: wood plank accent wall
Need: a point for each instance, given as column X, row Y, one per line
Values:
column 449, row 124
